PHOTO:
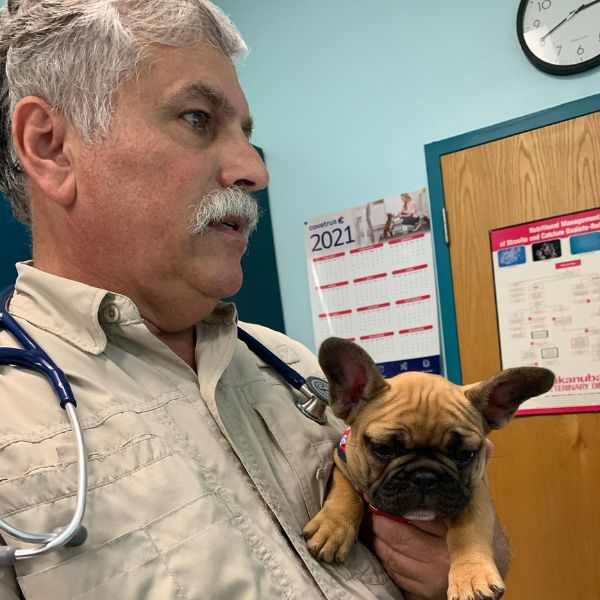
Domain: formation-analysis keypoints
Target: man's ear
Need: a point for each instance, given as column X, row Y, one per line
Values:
column 40, row 138
column 352, row 375
column 499, row 396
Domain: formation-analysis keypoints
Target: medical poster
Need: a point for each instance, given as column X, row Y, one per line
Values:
column 547, row 280
column 371, row 279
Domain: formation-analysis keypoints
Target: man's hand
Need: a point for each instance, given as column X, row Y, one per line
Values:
column 415, row 555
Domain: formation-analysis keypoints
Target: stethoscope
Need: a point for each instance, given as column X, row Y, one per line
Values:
column 313, row 405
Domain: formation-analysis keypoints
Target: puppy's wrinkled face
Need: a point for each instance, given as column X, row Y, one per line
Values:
column 418, row 449
column 416, row 446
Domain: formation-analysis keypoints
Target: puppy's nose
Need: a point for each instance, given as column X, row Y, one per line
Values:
column 423, row 479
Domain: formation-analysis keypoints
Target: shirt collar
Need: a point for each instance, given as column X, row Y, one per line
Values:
column 77, row 312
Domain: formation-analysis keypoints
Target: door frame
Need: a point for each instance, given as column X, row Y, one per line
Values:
column 434, row 152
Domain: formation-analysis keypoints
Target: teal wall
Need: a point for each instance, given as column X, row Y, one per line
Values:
column 346, row 93
column 15, row 244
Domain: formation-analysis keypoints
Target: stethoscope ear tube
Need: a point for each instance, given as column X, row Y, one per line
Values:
column 74, row 533
column 34, row 358
column 31, row 356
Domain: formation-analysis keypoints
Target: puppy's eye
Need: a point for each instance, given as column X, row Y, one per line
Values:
column 383, row 450
column 465, row 457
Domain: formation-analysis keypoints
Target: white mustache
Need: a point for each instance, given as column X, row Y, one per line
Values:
column 223, row 205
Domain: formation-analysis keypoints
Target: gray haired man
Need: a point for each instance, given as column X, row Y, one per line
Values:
column 126, row 149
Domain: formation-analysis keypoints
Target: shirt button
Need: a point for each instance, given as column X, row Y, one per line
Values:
column 111, row 313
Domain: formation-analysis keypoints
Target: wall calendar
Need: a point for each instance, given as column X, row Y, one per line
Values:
column 372, row 281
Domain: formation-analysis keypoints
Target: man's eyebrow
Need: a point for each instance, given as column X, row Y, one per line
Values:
column 217, row 100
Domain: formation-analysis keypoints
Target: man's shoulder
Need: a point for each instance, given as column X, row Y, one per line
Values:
column 279, row 343
column 264, row 333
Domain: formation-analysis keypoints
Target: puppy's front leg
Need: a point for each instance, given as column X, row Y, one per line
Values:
column 331, row 533
column 473, row 572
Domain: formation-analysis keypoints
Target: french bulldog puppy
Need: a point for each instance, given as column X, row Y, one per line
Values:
column 415, row 449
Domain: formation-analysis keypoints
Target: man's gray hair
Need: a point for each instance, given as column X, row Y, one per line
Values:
column 76, row 53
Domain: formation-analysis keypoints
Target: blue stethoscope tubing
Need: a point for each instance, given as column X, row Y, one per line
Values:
column 34, row 358
column 31, row 356
column 314, row 389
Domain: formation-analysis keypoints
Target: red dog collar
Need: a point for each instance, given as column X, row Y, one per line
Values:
column 341, row 449
column 381, row 513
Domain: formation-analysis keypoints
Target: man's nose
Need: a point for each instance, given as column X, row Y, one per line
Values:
column 245, row 168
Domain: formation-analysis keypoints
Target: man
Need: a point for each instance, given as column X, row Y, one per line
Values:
column 127, row 151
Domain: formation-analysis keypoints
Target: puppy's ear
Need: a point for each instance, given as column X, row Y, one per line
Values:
column 352, row 375
column 499, row 396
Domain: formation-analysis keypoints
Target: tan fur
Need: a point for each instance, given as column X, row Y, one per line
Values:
column 427, row 413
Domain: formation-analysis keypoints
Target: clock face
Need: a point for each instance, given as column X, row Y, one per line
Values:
column 560, row 36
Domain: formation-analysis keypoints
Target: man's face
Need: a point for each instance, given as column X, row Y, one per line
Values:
column 179, row 132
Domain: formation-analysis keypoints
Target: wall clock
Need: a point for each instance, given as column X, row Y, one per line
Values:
column 561, row 37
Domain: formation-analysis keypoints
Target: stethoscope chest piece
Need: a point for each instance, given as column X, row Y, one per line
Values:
column 319, row 387
column 316, row 391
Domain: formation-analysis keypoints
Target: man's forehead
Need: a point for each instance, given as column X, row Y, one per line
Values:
column 178, row 77
column 200, row 70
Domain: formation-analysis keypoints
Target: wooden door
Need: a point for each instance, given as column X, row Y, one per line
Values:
column 545, row 473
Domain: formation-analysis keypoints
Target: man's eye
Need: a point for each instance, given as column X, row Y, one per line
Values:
column 198, row 119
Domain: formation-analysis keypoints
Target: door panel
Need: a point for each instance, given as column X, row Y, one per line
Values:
column 544, row 474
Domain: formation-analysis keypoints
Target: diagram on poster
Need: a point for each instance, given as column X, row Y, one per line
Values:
column 547, row 280
column 371, row 279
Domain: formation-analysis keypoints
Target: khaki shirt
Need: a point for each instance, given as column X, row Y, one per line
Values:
column 199, row 484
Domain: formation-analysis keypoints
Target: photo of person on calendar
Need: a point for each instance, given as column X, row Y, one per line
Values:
column 398, row 216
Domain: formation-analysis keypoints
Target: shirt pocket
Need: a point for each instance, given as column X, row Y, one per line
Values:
column 306, row 445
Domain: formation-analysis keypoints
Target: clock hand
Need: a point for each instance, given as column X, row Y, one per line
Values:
column 570, row 16
column 588, row 4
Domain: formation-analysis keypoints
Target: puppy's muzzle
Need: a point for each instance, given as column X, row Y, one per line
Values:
column 421, row 488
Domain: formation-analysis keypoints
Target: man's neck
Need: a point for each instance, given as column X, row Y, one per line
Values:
column 183, row 343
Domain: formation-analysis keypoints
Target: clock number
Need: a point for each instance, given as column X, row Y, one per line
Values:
column 580, row 50
column 558, row 49
column 536, row 23
column 544, row 5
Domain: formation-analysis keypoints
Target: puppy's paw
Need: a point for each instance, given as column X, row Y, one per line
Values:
column 475, row 580
column 329, row 536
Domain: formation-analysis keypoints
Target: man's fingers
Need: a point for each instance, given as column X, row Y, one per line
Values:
column 423, row 578
column 409, row 539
